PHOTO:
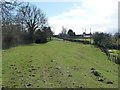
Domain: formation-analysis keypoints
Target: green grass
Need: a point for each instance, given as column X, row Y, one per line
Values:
column 57, row 64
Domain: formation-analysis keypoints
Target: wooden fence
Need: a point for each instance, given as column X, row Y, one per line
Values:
column 113, row 58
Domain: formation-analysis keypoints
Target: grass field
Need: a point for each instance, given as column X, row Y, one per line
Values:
column 58, row 64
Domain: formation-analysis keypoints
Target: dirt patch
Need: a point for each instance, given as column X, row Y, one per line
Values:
column 28, row 85
column 109, row 82
column 92, row 68
column 96, row 73
column 99, row 77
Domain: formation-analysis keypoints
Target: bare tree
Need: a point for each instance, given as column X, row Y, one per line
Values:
column 19, row 22
column 63, row 33
column 8, row 8
column 64, row 30
column 10, row 29
column 33, row 18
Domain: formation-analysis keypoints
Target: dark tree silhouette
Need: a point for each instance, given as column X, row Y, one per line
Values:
column 33, row 18
column 48, row 32
column 71, row 33
column 40, row 36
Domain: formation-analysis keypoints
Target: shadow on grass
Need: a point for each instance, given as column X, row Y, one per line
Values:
column 27, row 44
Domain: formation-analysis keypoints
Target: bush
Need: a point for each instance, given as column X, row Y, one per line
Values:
column 102, row 39
column 40, row 37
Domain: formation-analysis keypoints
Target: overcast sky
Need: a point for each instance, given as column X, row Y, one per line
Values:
column 99, row 15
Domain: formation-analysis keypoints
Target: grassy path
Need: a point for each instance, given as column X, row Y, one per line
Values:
column 58, row 64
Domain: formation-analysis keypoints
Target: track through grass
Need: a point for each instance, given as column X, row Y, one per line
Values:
column 58, row 64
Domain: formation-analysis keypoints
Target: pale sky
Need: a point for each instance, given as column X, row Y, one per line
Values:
column 99, row 15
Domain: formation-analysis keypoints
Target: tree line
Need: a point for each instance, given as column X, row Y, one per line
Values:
column 23, row 23
column 100, row 39
column 65, row 35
